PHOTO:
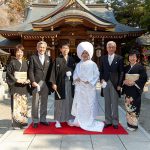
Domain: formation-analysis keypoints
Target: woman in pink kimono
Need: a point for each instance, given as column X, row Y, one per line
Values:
column 85, row 77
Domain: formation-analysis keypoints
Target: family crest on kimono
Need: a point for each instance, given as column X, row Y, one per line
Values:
column 85, row 102
column 18, row 88
column 61, row 78
column 135, row 79
column 39, row 72
column 111, row 77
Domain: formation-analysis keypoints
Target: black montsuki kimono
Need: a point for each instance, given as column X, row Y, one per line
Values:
column 18, row 93
column 62, row 110
column 133, row 94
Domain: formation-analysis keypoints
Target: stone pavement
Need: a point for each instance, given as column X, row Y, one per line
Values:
column 5, row 116
column 15, row 140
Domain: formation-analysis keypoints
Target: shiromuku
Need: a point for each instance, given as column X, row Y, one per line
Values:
column 85, row 77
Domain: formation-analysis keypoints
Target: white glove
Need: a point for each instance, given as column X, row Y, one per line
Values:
column 104, row 84
column 68, row 74
column 38, row 88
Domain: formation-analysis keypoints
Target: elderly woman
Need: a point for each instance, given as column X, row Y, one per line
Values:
column 135, row 79
column 85, row 77
column 18, row 88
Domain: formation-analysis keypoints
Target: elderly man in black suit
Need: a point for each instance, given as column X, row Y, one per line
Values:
column 111, row 76
column 39, row 73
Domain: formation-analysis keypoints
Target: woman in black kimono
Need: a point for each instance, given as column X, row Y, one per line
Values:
column 61, row 78
column 133, row 89
column 18, row 88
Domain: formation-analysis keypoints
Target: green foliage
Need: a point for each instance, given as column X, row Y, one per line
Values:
column 145, row 19
column 135, row 13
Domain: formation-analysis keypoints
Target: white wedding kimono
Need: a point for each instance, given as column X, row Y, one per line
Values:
column 85, row 103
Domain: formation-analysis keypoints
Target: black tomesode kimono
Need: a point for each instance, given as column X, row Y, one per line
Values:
column 18, row 93
column 63, row 105
column 133, row 94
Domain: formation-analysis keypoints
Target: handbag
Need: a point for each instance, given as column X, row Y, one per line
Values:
column 132, row 77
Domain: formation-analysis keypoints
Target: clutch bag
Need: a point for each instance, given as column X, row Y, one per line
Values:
column 132, row 77
column 20, row 75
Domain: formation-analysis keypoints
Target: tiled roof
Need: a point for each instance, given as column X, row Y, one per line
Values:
column 99, row 15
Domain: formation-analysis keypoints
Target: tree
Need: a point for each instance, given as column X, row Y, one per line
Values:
column 16, row 9
column 128, row 12
column 4, row 21
column 145, row 19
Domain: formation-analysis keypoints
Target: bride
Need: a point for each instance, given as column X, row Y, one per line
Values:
column 85, row 77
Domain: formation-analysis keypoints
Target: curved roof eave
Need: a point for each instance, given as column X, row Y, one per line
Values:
column 55, row 10
column 124, row 28
column 72, row 13
column 62, row 5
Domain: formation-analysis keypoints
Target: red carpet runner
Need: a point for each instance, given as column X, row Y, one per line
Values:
column 70, row 130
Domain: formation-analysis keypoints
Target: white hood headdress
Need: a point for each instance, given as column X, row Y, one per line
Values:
column 85, row 46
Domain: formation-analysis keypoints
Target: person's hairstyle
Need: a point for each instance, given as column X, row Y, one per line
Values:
column 111, row 43
column 135, row 52
column 41, row 42
column 64, row 43
column 19, row 47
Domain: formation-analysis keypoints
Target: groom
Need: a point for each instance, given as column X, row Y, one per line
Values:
column 39, row 72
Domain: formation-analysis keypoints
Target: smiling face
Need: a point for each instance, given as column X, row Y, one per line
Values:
column 41, row 48
column 19, row 54
column 64, row 50
column 85, row 55
column 133, row 59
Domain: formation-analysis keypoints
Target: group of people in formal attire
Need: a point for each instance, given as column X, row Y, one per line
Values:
column 75, row 87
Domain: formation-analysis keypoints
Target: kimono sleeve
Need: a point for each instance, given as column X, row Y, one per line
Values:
column 75, row 74
column 95, row 77
column 53, row 73
column 143, row 77
column 121, row 72
column 11, row 80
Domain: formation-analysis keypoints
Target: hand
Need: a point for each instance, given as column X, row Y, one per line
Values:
column 27, row 81
column 54, row 86
column 102, row 81
column 129, row 82
column 34, row 84
column 118, row 88
column 19, row 81
column 126, row 82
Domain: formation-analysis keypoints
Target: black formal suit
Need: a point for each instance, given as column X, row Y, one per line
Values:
column 37, row 73
column 113, row 74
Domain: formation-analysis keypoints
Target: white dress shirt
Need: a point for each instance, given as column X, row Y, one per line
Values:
column 42, row 58
column 111, row 58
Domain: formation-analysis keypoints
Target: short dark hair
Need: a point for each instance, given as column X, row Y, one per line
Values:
column 19, row 47
column 64, row 43
column 134, row 51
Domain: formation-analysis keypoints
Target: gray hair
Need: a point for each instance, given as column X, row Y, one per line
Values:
column 41, row 42
column 111, row 43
